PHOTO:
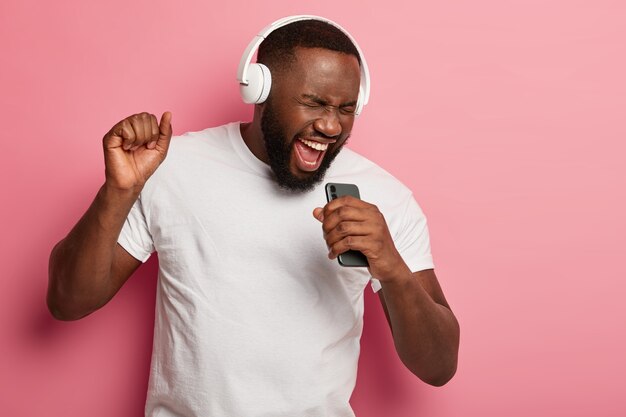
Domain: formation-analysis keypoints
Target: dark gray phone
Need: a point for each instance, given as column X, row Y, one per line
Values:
column 335, row 190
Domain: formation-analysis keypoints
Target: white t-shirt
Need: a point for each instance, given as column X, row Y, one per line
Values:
column 252, row 318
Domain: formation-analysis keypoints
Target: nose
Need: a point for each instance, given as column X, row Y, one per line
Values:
column 328, row 124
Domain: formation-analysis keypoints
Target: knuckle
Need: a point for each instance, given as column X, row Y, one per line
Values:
column 124, row 124
column 128, row 133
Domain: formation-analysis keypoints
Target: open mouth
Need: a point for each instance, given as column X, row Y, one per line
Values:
column 309, row 154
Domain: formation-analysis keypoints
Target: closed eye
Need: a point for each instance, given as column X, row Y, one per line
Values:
column 312, row 101
column 309, row 103
column 351, row 109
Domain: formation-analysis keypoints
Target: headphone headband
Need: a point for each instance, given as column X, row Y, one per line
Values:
column 260, row 94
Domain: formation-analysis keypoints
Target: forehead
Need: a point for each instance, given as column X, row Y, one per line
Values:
column 322, row 71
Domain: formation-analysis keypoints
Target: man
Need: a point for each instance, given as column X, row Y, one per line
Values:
column 254, row 317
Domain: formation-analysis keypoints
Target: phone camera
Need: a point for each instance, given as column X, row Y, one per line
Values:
column 334, row 196
column 333, row 189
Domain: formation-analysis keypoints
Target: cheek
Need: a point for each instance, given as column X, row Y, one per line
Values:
column 337, row 145
column 346, row 130
column 346, row 124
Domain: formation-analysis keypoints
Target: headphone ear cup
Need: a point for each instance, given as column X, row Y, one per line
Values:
column 359, row 102
column 259, row 84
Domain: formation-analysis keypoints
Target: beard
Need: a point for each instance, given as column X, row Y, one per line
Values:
column 279, row 150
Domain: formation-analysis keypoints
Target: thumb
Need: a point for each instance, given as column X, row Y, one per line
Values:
column 165, row 131
column 318, row 213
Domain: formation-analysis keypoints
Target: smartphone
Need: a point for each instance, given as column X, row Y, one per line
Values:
column 336, row 190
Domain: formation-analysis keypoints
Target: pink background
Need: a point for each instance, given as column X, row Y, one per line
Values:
column 506, row 118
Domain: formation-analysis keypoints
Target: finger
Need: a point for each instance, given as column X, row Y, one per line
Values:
column 346, row 200
column 165, row 131
column 138, row 126
column 154, row 128
column 147, row 127
column 359, row 243
column 345, row 229
column 342, row 214
column 318, row 213
column 124, row 131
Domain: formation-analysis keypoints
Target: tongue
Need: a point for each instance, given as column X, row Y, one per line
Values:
column 307, row 153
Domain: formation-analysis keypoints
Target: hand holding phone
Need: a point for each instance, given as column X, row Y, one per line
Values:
column 349, row 258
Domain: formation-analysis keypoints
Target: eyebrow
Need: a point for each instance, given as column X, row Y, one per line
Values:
column 322, row 102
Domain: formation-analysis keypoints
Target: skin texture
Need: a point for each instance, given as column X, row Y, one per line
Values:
column 314, row 99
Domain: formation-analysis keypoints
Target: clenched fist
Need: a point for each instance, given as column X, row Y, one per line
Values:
column 134, row 148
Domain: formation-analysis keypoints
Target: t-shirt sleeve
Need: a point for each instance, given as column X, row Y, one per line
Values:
column 412, row 240
column 135, row 236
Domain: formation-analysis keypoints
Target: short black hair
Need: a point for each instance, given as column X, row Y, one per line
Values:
column 277, row 51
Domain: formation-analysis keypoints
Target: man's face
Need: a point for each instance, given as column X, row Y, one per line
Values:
column 309, row 115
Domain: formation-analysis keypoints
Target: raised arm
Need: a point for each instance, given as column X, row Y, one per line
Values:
column 88, row 267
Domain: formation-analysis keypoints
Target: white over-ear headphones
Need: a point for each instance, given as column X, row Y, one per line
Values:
column 255, row 80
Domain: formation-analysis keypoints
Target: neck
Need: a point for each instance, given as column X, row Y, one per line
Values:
column 253, row 136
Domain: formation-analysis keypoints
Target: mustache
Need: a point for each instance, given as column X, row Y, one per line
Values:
column 320, row 135
column 317, row 134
